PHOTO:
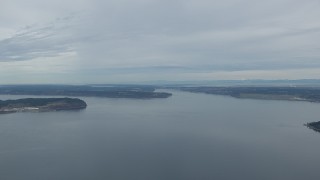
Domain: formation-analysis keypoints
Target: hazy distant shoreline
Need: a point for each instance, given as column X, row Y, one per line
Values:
column 125, row 91
column 309, row 94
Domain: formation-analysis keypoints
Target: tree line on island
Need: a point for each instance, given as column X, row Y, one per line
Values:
column 41, row 105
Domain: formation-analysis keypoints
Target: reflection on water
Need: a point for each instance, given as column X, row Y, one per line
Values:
column 187, row 136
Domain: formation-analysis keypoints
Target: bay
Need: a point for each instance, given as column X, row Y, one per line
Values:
column 187, row 136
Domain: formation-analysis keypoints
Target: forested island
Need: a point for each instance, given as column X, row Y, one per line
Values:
column 314, row 126
column 107, row 91
column 41, row 105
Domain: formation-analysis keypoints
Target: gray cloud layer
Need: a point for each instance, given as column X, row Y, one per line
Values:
column 126, row 36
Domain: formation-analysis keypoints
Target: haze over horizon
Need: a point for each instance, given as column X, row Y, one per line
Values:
column 123, row 41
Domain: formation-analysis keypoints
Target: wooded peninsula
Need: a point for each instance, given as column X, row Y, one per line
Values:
column 41, row 105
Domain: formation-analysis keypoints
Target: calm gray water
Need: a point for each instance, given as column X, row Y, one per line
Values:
column 186, row 137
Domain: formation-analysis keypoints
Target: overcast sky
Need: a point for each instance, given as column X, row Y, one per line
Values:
column 121, row 41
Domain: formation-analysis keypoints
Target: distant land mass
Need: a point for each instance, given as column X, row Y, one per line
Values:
column 108, row 91
column 310, row 94
column 247, row 82
column 41, row 105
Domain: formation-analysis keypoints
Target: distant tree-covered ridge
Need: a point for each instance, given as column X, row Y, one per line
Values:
column 41, row 104
column 108, row 91
column 310, row 94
